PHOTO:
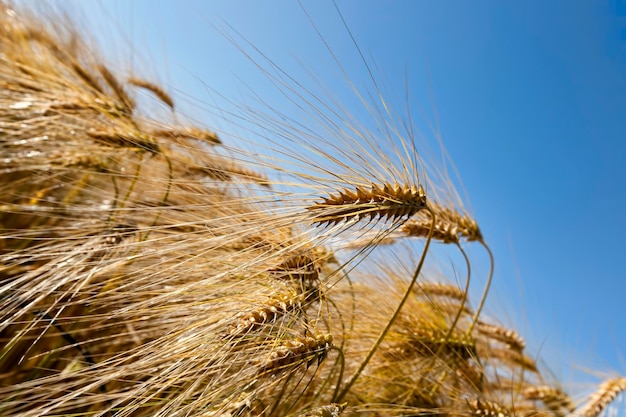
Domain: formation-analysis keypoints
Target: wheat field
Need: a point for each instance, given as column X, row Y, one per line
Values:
column 301, row 261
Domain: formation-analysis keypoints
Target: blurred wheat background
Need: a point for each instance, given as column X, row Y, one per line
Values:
column 528, row 99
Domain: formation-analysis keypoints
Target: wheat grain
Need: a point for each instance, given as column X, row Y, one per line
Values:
column 487, row 408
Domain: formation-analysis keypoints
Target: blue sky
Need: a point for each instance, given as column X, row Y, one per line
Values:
column 531, row 102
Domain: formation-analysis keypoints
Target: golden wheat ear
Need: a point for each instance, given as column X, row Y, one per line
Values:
column 554, row 399
column 277, row 305
column 154, row 88
column 606, row 393
column 389, row 202
column 501, row 334
column 189, row 133
column 295, row 352
column 451, row 226
column 440, row 289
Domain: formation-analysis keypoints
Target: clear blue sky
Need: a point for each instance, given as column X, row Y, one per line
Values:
column 531, row 100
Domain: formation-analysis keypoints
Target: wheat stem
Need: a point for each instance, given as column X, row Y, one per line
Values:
column 483, row 298
column 393, row 318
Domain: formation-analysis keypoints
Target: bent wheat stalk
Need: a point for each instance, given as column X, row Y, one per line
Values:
column 392, row 319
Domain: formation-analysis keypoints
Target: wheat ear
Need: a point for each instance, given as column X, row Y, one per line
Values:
column 300, row 350
column 190, row 133
column 451, row 226
column 512, row 358
column 155, row 89
column 600, row 399
column 556, row 400
column 276, row 306
column 487, row 408
column 124, row 139
column 440, row 289
column 389, row 201
column 300, row 267
column 507, row 336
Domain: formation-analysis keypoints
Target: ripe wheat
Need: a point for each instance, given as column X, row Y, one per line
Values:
column 151, row 267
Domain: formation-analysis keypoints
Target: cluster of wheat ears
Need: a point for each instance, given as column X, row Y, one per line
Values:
column 150, row 267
